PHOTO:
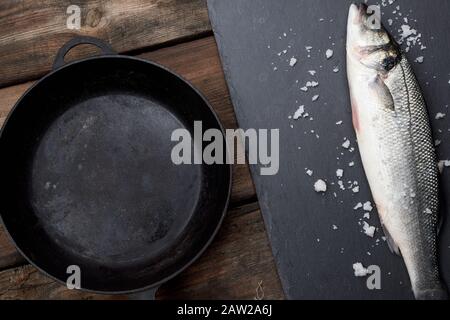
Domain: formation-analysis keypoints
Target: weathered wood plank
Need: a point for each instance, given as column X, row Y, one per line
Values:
column 31, row 31
column 238, row 265
column 8, row 254
column 198, row 62
column 26, row 283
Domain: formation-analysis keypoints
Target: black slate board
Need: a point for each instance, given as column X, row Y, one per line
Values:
column 314, row 261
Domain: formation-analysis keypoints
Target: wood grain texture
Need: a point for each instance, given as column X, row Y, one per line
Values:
column 27, row 283
column 238, row 265
column 198, row 62
column 241, row 253
column 8, row 254
column 31, row 32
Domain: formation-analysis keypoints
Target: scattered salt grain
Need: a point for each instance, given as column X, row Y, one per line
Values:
column 320, row 186
column 329, row 53
column 368, row 206
column 359, row 269
column 346, row 144
column 358, row 206
column 340, row 173
column 369, row 230
column 312, row 84
column 442, row 164
column 419, row 59
column 315, row 98
column 299, row 113
column 293, row 62
column 440, row 116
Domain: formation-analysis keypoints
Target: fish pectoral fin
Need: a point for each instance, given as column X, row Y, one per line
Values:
column 382, row 91
column 390, row 241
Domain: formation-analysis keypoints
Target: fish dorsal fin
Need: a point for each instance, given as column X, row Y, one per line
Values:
column 390, row 241
column 383, row 92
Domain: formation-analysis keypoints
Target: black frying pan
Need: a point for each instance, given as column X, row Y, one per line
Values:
column 88, row 178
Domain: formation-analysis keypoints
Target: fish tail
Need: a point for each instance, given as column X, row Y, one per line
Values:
column 432, row 294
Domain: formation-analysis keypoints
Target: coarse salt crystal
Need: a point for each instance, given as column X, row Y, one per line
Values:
column 358, row 206
column 368, row 206
column 329, row 53
column 320, row 186
column 293, row 62
column 346, row 144
column 299, row 113
column 440, row 116
column 359, row 270
column 369, row 230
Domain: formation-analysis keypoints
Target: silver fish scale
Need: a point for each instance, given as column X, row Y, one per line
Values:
column 414, row 123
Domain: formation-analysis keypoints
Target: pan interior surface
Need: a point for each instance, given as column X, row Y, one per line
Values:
column 99, row 180
column 91, row 180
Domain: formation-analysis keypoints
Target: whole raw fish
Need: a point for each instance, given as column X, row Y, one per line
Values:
column 397, row 148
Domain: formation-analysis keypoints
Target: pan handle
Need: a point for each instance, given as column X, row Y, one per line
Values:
column 59, row 60
column 149, row 294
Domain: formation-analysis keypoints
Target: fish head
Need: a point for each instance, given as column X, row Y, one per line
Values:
column 369, row 43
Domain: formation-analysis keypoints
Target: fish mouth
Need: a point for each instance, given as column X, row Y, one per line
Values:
column 362, row 7
column 358, row 11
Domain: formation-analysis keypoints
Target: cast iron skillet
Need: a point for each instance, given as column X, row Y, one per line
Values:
column 88, row 178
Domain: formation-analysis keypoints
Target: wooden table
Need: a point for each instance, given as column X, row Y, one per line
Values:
column 177, row 34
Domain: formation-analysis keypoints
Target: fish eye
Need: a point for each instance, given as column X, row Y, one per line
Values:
column 389, row 63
